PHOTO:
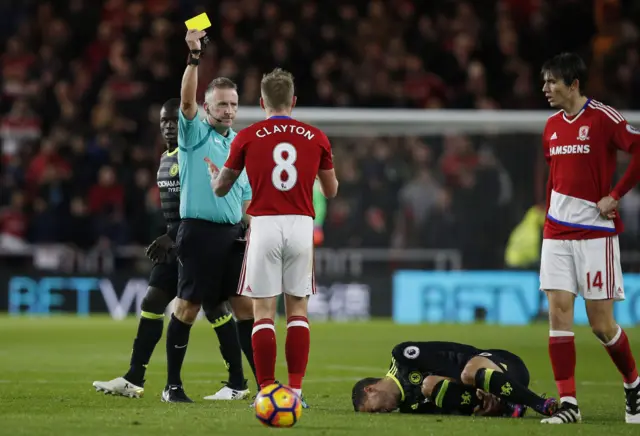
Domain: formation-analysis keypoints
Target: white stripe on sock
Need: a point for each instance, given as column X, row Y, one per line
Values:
column 560, row 334
column 615, row 338
column 298, row 324
column 632, row 385
column 570, row 400
column 257, row 328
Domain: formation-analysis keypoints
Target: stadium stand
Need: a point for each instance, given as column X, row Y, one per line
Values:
column 82, row 81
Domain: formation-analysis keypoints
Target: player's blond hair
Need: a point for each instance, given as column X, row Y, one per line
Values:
column 277, row 89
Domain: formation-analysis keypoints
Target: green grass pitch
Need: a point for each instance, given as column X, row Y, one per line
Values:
column 47, row 366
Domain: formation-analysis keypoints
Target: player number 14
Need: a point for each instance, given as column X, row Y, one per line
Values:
column 597, row 280
column 284, row 156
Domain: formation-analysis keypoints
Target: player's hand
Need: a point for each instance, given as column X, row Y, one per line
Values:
column 193, row 38
column 242, row 238
column 159, row 249
column 490, row 404
column 607, row 207
column 213, row 171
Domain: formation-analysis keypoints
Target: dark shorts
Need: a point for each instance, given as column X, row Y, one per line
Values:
column 164, row 276
column 209, row 261
column 510, row 364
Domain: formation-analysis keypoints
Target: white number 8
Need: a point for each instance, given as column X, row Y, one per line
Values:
column 284, row 165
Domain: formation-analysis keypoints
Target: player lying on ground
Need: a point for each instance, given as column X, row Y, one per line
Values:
column 443, row 377
column 580, row 250
column 163, row 283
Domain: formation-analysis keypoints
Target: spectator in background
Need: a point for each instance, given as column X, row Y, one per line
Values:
column 458, row 160
column 83, row 169
column 79, row 79
column 20, row 125
column 418, row 198
column 440, row 228
column 13, row 223
column 377, row 232
column 107, row 195
column 54, row 190
column 138, row 215
column 111, row 228
column 80, row 230
column 16, row 61
column 12, row 175
column 45, row 223
column 342, row 225
column 47, row 160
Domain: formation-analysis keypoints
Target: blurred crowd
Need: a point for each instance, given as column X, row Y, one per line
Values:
column 82, row 82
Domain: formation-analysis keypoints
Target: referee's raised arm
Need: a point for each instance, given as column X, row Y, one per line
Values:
column 188, row 104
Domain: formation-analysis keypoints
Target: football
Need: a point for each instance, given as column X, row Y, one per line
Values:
column 278, row 406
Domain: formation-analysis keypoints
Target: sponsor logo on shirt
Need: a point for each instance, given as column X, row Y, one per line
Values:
column 570, row 149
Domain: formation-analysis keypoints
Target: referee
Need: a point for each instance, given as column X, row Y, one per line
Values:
column 209, row 252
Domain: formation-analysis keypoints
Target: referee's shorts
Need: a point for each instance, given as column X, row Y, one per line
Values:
column 209, row 261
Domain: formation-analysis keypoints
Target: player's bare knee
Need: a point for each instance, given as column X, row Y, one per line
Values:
column 242, row 307
column 601, row 319
column 468, row 376
column 264, row 308
column 295, row 306
column 186, row 311
column 429, row 383
column 560, row 322
column 605, row 329
column 560, row 310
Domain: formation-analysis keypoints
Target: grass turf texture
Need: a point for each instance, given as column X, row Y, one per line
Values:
column 47, row 366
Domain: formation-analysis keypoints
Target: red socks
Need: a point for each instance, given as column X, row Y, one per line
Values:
column 562, row 351
column 620, row 352
column 297, row 350
column 263, row 340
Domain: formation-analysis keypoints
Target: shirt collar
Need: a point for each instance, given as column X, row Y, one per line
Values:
column 222, row 138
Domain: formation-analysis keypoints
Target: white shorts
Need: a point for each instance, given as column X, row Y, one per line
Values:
column 279, row 257
column 589, row 267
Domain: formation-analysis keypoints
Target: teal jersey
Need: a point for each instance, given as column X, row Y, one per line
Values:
column 198, row 140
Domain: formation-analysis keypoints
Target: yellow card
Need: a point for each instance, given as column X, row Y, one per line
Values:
column 199, row 22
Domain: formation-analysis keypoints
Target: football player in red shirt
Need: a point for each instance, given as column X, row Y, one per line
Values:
column 282, row 157
column 580, row 251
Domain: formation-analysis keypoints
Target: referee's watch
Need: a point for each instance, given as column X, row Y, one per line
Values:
column 194, row 57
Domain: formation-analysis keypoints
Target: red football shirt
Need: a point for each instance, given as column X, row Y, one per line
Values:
column 282, row 157
column 581, row 152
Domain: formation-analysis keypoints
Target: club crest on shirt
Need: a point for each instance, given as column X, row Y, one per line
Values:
column 173, row 170
column 583, row 133
column 415, row 378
